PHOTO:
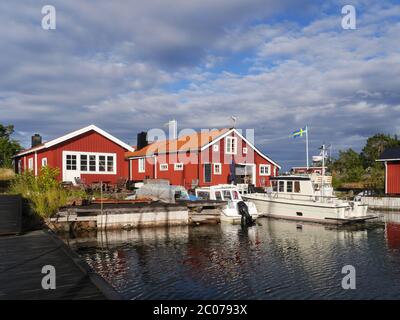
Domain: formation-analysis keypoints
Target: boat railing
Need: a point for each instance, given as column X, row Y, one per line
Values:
column 293, row 196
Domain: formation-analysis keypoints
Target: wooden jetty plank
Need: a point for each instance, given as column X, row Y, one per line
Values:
column 22, row 259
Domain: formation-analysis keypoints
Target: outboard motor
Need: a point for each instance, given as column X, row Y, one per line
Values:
column 246, row 220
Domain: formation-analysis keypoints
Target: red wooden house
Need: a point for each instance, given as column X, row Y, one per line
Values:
column 202, row 159
column 90, row 154
column 391, row 158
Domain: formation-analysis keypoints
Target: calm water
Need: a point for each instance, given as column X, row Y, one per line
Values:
column 276, row 259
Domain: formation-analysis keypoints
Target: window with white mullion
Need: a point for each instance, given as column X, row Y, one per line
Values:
column 141, row 165
column 92, row 163
column 217, row 169
column 230, row 145
column 110, row 164
column 84, row 162
column 102, row 163
column 265, row 170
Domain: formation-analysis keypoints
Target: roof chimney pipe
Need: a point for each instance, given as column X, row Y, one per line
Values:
column 36, row 140
column 141, row 140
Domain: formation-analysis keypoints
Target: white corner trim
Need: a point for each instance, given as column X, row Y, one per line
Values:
column 386, row 176
column 36, row 164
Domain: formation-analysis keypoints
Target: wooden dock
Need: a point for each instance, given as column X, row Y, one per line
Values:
column 135, row 215
column 21, row 263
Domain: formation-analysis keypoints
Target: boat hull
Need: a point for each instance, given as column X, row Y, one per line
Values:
column 312, row 212
column 231, row 213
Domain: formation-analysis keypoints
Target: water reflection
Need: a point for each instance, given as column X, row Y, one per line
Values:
column 275, row 259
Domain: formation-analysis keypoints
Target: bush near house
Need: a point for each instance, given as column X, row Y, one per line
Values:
column 6, row 174
column 44, row 192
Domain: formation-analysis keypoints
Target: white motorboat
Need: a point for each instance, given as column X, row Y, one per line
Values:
column 230, row 194
column 307, row 198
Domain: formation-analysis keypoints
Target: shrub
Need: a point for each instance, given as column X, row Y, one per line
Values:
column 44, row 192
column 6, row 174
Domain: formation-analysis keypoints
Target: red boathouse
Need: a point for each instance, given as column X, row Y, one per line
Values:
column 90, row 154
column 391, row 158
column 202, row 159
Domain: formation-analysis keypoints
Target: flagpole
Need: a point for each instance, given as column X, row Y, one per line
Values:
column 307, row 146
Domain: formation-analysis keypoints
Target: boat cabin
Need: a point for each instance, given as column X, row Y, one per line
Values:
column 220, row 192
column 302, row 185
column 292, row 184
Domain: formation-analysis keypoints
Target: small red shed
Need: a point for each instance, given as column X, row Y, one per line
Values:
column 205, row 158
column 90, row 154
column 305, row 170
column 391, row 158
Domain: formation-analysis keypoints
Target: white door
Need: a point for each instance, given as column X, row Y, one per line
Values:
column 70, row 167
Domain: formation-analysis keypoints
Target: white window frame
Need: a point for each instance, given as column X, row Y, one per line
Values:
column 228, row 142
column 30, row 164
column 217, row 165
column 44, row 162
column 141, row 165
column 215, row 147
column 262, row 172
column 97, row 155
column 163, row 166
column 245, row 150
column 178, row 166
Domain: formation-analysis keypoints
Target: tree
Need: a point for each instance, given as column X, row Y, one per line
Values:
column 375, row 146
column 8, row 146
column 348, row 167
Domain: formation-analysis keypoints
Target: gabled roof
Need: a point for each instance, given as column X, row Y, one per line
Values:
column 390, row 154
column 182, row 144
column 74, row 134
column 198, row 141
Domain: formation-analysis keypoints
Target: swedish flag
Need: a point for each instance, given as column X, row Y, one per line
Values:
column 299, row 133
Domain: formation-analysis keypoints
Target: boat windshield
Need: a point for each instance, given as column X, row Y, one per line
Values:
column 218, row 195
column 227, row 195
column 203, row 195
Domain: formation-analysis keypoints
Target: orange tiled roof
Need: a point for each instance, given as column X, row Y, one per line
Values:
column 182, row 144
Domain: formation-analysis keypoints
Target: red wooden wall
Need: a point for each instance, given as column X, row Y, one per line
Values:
column 87, row 142
column 393, row 178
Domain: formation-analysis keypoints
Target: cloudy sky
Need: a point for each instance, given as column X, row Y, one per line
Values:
column 128, row 66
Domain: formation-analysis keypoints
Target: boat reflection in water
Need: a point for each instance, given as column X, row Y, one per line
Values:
column 276, row 259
